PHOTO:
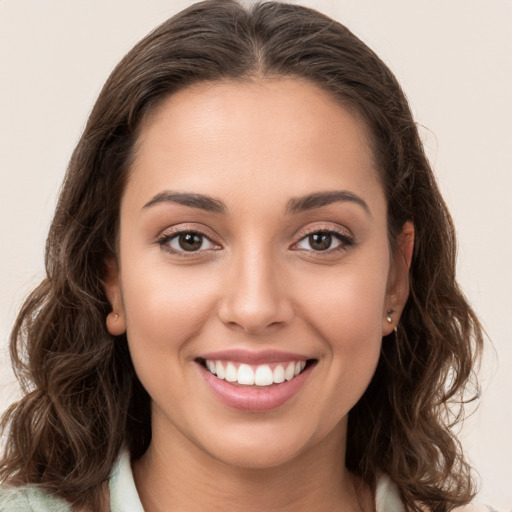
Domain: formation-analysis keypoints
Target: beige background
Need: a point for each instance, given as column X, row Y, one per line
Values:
column 454, row 60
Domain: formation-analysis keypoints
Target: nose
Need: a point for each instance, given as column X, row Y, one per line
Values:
column 255, row 298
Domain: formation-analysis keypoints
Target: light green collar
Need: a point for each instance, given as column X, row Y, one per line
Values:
column 123, row 493
column 124, row 496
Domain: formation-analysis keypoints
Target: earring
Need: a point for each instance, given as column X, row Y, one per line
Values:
column 112, row 322
column 389, row 313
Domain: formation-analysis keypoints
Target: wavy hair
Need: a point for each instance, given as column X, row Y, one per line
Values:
column 83, row 400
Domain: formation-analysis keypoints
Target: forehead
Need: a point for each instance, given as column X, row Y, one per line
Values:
column 266, row 136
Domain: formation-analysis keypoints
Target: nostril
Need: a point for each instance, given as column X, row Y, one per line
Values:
column 255, row 308
column 254, row 327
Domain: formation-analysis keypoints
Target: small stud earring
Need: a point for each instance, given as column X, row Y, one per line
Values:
column 114, row 323
column 389, row 313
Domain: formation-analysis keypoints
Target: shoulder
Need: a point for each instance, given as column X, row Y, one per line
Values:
column 30, row 499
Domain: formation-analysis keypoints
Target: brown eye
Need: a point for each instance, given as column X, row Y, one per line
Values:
column 325, row 241
column 320, row 241
column 190, row 241
column 187, row 241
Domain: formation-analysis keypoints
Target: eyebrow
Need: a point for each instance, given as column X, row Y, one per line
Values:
column 294, row 205
column 319, row 199
column 199, row 201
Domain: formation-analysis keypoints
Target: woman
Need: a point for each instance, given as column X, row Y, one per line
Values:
column 250, row 282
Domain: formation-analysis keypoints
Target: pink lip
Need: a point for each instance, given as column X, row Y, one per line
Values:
column 248, row 357
column 253, row 398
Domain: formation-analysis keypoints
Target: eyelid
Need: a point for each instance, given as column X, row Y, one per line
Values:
column 170, row 233
column 344, row 235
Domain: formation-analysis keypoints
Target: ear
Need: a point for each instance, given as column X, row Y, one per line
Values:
column 116, row 321
column 398, row 282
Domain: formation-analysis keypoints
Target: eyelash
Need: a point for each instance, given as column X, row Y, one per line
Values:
column 165, row 240
column 344, row 239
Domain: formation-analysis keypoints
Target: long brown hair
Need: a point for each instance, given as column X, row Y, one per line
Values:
column 83, row 400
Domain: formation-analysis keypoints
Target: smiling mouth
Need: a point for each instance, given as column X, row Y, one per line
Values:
column 262, row 375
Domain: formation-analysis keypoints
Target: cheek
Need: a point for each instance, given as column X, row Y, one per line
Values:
column 345, row 305
column 165, row 306
column 344, row 311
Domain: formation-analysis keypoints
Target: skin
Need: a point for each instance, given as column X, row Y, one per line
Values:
column 256, row 283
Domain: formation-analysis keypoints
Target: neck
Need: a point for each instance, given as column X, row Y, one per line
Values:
column 181, row 477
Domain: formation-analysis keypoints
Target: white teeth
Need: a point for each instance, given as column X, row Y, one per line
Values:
column 231, row 373
column 261, row 375
column 211, row 366
column 219, row 370
column 245, row 375
column 289, row 373
column 278, row 376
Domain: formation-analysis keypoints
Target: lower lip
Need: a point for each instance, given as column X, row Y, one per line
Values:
column 252, row 398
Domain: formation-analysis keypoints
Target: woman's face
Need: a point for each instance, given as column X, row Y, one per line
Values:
column 254, row 271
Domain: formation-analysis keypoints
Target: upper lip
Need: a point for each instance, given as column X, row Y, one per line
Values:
column 253, row 357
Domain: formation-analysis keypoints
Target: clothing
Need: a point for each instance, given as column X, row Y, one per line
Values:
column 123, row 494
column 124, row 497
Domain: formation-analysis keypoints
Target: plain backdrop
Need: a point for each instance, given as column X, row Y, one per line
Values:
column 454, row 60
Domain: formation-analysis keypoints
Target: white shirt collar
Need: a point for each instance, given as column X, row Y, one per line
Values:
column 124, row 496
column 387, row 497
column 123, row 493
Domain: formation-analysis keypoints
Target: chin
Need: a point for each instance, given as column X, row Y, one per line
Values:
column 263, row 447
column 258, row 457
